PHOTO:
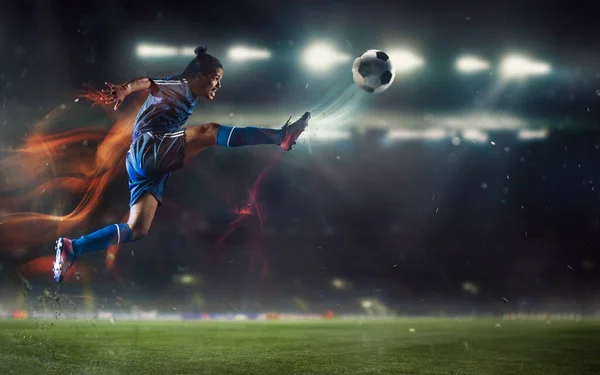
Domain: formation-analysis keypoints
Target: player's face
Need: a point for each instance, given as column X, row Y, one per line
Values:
column 207, row 85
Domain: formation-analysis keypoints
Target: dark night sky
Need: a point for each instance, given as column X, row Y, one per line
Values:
column 414, row 219
column 62, row 46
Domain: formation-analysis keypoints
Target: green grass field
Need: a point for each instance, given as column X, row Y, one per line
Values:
column 323, row 347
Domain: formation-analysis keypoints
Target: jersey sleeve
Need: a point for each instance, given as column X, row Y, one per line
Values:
column 172, row 88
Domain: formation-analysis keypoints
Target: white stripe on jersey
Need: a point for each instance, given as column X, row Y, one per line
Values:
column 173, row 135
column 176, row 134
column 160, row 82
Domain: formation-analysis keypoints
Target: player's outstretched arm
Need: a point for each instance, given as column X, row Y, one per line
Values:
column 117, row 93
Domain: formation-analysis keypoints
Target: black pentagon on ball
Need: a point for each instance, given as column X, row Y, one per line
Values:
column 364, row 69
column 382, row 56
column 386, row 77
column 368, row 89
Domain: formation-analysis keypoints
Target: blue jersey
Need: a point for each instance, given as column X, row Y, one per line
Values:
column 167, row 110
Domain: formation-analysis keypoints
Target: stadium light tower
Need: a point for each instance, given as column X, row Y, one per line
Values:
column 471, row 64
column 244, row 53
column 519, row 67
column 405, row 61
column 321, row 57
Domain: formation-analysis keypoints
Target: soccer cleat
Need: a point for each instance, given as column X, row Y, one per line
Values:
column 65, row 257
column 291, row 132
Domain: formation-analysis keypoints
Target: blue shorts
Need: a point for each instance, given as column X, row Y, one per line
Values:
column 150, row 160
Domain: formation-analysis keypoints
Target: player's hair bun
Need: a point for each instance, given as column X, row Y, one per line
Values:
column 200, row 50
column 202, row 63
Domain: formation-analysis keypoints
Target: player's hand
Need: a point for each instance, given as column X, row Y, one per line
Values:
column 115, row 94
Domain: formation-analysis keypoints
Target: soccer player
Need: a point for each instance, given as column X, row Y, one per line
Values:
column 159, row 145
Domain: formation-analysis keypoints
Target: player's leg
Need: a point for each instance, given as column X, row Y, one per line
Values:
column 145, row 195
column 197, row 138
column 141, row 215
column 140, row 218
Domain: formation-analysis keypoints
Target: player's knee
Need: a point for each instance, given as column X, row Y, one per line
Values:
column 138, row 232
column 207, row 133
column 211, row 130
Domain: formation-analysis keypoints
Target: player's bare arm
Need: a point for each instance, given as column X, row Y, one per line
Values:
column 117, row 93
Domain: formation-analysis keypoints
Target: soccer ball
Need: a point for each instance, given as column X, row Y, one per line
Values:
column 373, row 71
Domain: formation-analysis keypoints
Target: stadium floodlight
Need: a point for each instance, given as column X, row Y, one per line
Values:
column 471, row 287
column 338, row 283
column 529, row 134
column 434, row 134
column 147, row 50
column 405, row 61
column 186, row 279
column 475, row 135
column 321, row 57
column 471, row 64
column 403, row 134
column 331, row 135
column 187, row 51
column 518, row 67
column 154, row 50
column 407, row 134
column 244, row 53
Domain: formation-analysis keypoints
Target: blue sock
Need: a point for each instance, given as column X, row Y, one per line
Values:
column 102, row 239
column 236, row 137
